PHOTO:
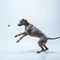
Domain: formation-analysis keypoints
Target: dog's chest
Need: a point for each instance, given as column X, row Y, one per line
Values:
column 28, row 27
column 32, row 31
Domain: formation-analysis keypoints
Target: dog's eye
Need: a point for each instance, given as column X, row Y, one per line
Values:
column 21, row 22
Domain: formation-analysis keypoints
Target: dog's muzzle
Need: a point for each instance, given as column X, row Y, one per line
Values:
column 19, row 24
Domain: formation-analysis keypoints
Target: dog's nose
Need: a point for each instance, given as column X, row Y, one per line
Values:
column 19, row 24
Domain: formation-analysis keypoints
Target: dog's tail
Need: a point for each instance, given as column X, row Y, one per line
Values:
column 54, row 38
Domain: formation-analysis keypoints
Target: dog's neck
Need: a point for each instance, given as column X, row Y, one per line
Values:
column 27, row 23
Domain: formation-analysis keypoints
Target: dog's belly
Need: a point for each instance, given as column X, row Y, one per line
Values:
column 36, row 34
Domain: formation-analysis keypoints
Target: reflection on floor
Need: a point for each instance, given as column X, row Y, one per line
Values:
column 28, row 51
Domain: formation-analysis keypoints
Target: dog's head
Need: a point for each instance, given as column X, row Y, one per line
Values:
column 23, row 22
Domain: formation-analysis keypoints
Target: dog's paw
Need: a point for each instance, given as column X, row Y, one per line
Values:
column 16, row 36
column 17, row 41
column 38, row 52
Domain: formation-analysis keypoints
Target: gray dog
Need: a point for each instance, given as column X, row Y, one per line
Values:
column 35, row 32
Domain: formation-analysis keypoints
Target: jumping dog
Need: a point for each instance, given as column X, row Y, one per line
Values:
column 31, row 30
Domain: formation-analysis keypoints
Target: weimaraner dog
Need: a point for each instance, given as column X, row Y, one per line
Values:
column 31, row 30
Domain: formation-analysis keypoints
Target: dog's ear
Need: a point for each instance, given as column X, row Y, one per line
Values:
column 25, row 20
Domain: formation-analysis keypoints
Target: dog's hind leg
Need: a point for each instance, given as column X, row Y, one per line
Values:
column 40, row 43
column 45, row 47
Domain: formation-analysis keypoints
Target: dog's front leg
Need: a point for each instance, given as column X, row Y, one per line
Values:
column 20, row 34
column 21, row 37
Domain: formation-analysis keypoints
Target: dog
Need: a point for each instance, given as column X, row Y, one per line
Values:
column 31, row 30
